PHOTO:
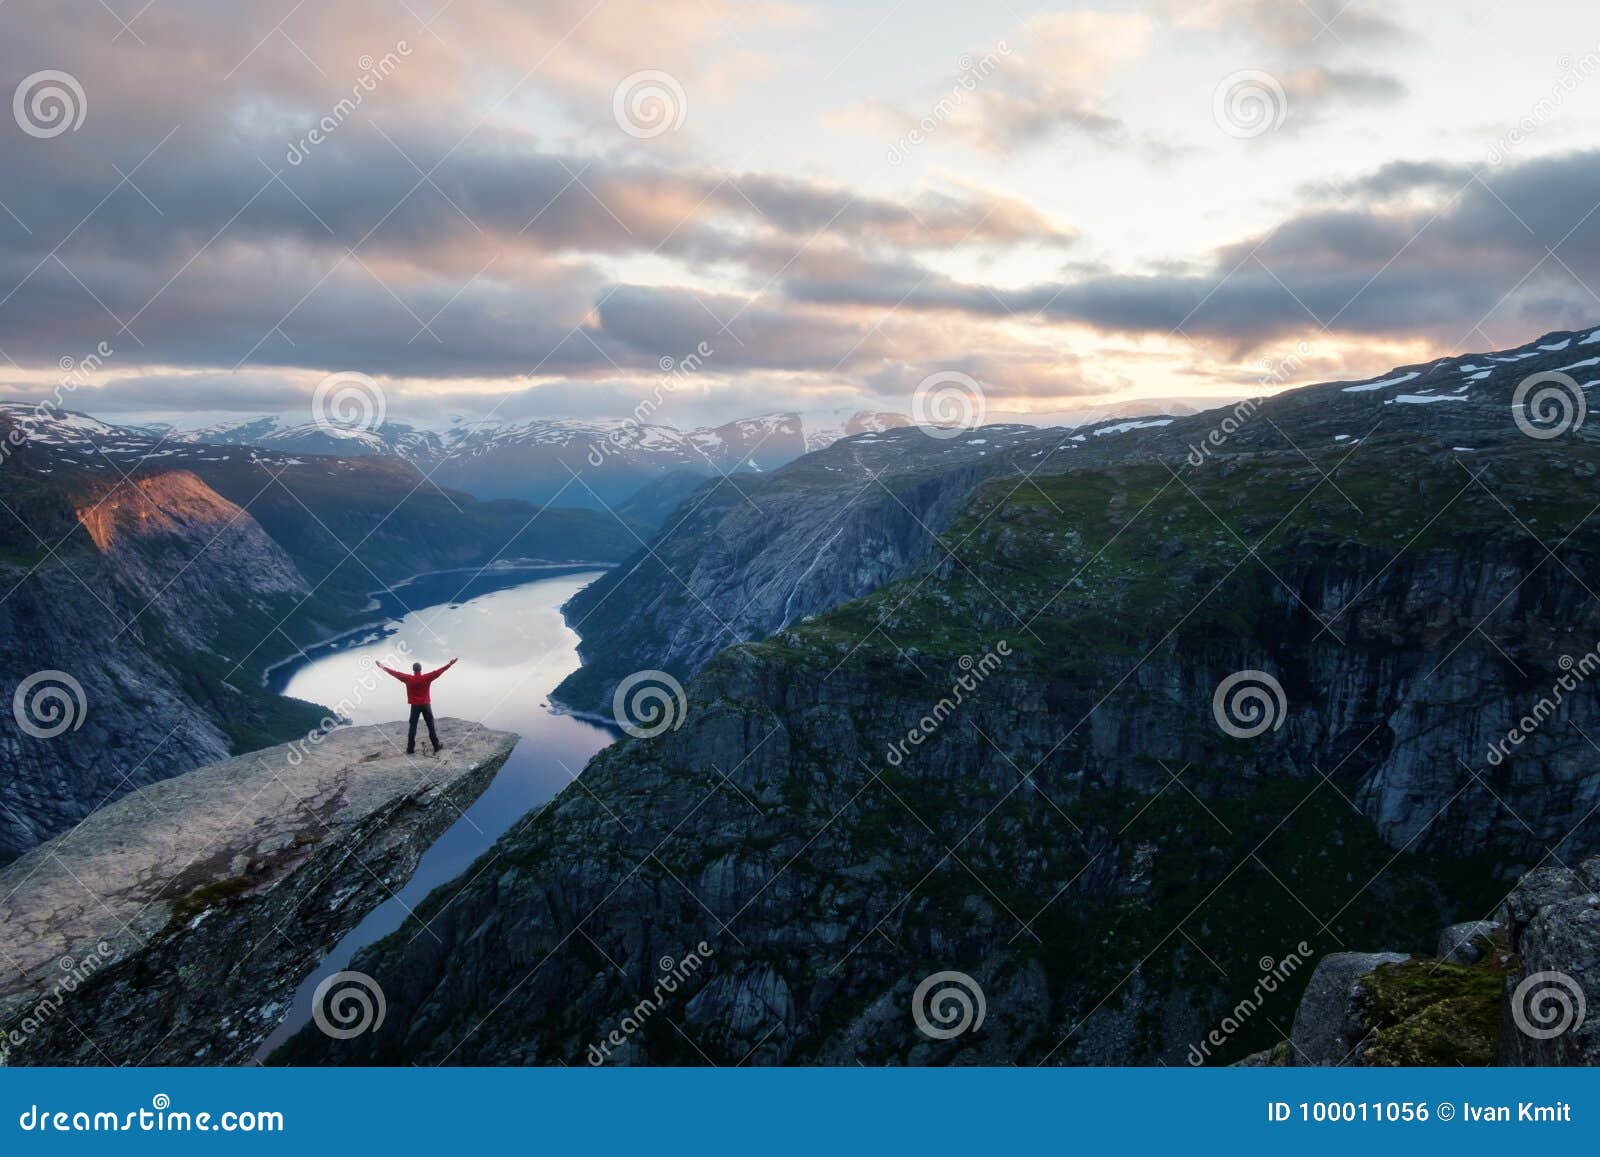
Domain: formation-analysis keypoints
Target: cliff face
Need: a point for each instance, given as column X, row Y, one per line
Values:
column 191, row 909
column 149, row 579
column 752, row 554
column 1075, row 830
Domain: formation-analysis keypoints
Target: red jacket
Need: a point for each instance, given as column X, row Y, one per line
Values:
column 417, row 693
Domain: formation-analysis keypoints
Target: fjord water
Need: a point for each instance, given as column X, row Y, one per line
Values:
column 514, row 647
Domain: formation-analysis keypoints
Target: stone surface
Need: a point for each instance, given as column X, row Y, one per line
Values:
column 1464, row 943
column 203, row 900
column 1328, row 1028
column 1553, row 920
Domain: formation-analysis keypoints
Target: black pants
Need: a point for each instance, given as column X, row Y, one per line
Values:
column 424, row 711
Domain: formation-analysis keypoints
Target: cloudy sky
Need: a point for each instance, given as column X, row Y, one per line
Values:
column 526, row 209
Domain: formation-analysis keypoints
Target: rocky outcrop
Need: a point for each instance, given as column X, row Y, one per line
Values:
column 172, row 926
column 1552, row 1011
column 1329, row 1028
column 1519, row 989
column 146, row 587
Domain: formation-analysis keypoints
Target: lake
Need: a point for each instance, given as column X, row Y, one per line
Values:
column 506, row 626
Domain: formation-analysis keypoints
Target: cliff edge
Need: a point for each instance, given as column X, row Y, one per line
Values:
column 172, row 926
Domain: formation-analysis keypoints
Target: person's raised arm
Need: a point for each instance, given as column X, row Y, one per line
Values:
column 442, row 670
column 389, row 670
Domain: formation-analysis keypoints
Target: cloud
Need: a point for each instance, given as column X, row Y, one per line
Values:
column 1052, row 76
column 1441, row 265
column 1322, row 89
column 1296, row 28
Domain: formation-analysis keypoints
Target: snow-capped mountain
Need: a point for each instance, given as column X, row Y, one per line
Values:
column 564, row 462
column 824, row 432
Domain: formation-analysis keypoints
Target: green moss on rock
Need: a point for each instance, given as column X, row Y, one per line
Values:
column 1428, row 1012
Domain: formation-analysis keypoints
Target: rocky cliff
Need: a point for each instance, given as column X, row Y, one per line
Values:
column 172, row 926
column 1033, row 765
column 746, row 556
column 144, row 589
column 1518, row 989
column 126, row 594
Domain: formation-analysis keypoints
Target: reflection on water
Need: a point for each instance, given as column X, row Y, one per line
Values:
column 514, row 648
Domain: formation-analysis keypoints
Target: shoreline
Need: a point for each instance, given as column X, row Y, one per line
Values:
column 334, row 640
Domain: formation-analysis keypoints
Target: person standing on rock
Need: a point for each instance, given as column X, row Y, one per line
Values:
column 420, row 698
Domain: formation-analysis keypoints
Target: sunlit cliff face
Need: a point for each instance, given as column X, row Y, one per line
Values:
column 176, row 502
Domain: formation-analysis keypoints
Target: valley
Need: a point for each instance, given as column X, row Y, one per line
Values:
column 955, row 702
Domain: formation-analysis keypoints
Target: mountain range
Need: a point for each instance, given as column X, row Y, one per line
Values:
column 840, row 809
column 960, row 702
